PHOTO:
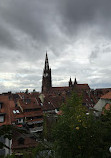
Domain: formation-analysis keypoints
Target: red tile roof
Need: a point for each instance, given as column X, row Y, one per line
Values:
column 106, row 96
column 107, row 106
column 52, row 102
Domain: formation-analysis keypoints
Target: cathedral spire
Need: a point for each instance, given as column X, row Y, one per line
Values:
column 70, row 82
column 75, row 82
column 46, row 62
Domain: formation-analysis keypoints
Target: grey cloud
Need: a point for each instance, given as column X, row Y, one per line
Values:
column 78, row 15
column 6, row 38
column 103, row 48
column 31, row 17
column 30, row 27
column 94, row 54
column 31, row 24
column 42, row 19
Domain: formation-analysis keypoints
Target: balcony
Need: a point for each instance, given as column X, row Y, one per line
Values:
column 36, row 129
column 34, row 122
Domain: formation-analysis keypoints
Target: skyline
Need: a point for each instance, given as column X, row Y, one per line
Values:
column 76, row 35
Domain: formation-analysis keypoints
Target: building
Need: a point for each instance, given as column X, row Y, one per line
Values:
column 89, row 100
column 46, row 78
column 23, row 111
column 5, row 119
column 104, row 102
column 98, row 93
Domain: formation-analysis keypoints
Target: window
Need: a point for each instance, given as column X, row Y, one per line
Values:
column 39, row 124
column 35, row 117
column 1, row 118
column 14, row 111
column 21, row 141
column 17, row 111
column 84, row 104
column 20, row 120
column 30, row 110
column 0, row 105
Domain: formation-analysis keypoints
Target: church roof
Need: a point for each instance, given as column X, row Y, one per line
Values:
column 59, row 88
column 83, row 86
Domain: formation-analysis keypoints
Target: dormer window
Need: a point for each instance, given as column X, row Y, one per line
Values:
column 20, row 120
column 16, row 111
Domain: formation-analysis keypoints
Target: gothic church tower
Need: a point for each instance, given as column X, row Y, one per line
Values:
column 46, row 78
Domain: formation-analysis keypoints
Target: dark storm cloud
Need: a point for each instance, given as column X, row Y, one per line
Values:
column 79, row 14
column 31, row 17
column 38, row 19
column 45, row 20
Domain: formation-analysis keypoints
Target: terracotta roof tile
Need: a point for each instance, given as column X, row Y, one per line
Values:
column 106, row 96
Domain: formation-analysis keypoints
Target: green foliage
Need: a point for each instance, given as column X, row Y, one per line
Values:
column 79, row 134
column 6, row 132
column 11, row 156
column 45, row 127
column 26, row 91
column 41, row 151
column 49, row 122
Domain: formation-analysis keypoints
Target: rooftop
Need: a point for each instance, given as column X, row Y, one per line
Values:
column 106, row 96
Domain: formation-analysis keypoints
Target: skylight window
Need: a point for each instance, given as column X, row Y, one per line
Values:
column 14, row 111
column 17, row 111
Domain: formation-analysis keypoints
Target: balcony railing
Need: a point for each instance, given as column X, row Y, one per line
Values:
column 34, row 122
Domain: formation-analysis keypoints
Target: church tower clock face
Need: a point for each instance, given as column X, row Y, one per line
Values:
column 46, row 74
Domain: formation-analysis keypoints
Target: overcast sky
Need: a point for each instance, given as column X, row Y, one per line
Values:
column 75, row 33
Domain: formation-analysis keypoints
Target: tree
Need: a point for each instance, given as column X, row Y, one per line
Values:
column 26, row 91
column 5, row 132
column 78, row 134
